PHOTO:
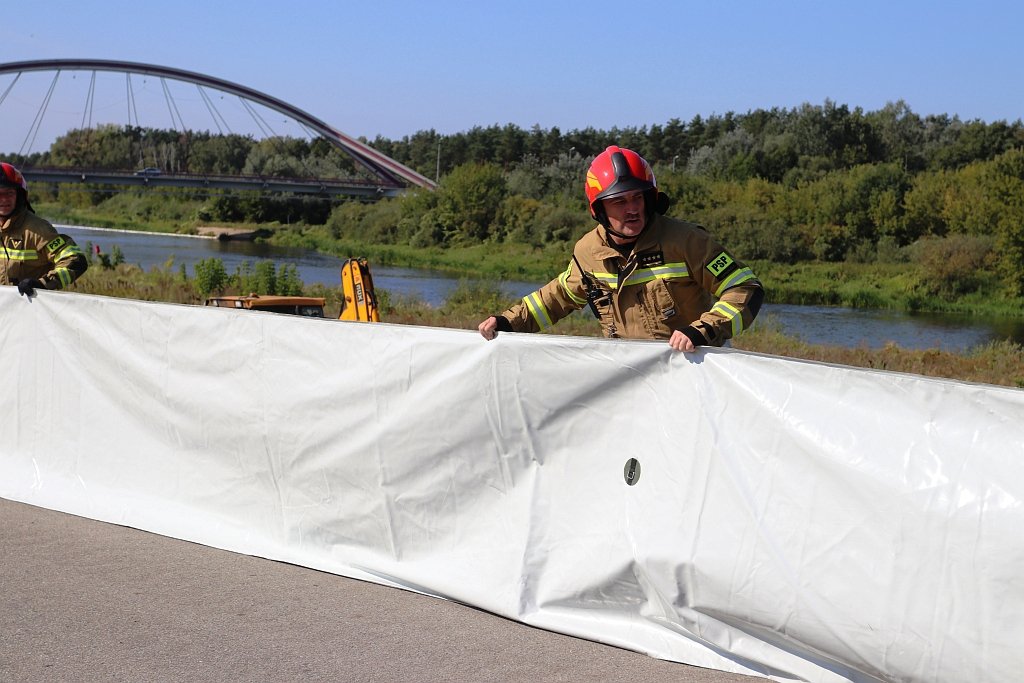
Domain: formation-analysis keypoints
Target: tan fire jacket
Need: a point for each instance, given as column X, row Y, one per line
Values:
column 31, row 249
column 676, row 277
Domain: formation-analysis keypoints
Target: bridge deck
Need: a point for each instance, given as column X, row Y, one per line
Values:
column 314, row 186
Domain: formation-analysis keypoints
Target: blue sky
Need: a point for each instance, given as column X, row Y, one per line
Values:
column 393, row 67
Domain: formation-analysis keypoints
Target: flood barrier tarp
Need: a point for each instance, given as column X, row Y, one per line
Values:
column 730, row 510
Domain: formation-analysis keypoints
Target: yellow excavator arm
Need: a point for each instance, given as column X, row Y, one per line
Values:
column 358, row 300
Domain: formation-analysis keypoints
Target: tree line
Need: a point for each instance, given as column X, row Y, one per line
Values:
column 815, row 182
column 778, row 145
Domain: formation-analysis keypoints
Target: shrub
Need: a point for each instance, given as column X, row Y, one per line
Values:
column 831, row 243
column 210, row 276
column 954, row 265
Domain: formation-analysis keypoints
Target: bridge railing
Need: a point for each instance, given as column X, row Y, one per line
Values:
column 154, row 178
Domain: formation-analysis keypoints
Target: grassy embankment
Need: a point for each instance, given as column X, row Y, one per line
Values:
column 892, row 286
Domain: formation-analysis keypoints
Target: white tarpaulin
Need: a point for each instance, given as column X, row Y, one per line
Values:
column 790, row 519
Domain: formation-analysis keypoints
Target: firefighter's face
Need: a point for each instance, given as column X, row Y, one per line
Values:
column 8, row 200
column 626, row 215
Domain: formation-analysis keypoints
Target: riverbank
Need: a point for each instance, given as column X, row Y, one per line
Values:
column 897, row 286
column 126, row 231
column 204, row 231
column 222, row 233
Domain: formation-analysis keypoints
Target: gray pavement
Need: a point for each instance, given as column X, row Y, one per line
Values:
column 82, row 600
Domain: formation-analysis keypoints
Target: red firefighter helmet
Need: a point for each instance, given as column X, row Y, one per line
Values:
column 12, row 177
column 617, row 171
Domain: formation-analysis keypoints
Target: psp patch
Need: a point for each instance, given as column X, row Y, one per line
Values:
column 721, row 265
column 56, row 244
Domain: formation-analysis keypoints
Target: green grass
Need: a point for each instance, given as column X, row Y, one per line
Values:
column 898, row 287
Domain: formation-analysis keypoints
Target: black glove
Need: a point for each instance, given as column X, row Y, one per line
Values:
column 28, row 287
column 695, row 335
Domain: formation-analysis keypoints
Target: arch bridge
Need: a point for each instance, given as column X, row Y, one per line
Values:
column 379, row 174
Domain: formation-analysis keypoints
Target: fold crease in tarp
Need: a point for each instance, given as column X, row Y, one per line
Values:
column 737, row 511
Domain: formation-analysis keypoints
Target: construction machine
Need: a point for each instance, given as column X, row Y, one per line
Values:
column 358, row 301
column 310, row 306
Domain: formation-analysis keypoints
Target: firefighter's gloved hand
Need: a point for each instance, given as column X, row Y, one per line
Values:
column 28, row 287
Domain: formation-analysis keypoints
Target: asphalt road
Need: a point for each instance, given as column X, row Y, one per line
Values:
column 82, row 600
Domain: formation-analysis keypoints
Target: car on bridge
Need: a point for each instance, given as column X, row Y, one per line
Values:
column 148, row 171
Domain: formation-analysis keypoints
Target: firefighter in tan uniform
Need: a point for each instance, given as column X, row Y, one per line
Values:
column 33, row 254
column 645, row 276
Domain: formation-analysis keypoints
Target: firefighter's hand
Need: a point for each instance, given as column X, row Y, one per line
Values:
column 680, row 342
column 28, row 287
column 489, row 327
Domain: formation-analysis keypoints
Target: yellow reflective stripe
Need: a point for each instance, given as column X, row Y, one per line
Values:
column 669, row 271
column 568, row 292
column 731, row 314
column 737, row 278
column 21, row 254
column 610, row 279
column 70, row 250
column 64, row 275
column 535, row 305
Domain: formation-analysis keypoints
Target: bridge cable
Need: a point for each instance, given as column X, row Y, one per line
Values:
column 9, row 88
column 214, row 113
column 172, row 106
column 90, row 100
column 265, row 127
column 131, row 101
column 363, row 165
column 138, row 124
column 38, row 121
column 274, row 137
column 256, row 117
column 260, row 123
column 313, row 135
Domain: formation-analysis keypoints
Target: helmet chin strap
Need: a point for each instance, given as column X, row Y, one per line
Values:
column 654, row 204
column 602, row 218
column 626, row 238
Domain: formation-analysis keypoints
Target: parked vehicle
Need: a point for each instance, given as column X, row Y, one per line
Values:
column 358, row 299
column 309, row 306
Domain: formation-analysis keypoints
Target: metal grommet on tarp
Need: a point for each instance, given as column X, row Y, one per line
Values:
column 631, row 472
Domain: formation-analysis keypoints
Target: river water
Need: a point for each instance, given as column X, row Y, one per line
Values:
column 814, row 324
column 149, row 250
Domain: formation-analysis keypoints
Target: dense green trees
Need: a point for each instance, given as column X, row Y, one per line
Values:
column 779, row 145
